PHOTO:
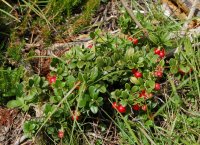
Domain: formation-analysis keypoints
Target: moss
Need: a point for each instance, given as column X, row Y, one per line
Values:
column 85, row 17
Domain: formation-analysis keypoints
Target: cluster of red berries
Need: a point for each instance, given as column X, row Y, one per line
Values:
column 157, row 73
column 160, row 52
column 122, row 109
column 137, row 107
column 75, row 115
column 119, row 107
column 134, row 40
column 145, row 95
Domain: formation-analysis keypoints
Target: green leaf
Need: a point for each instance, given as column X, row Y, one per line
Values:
column 127, row 86
column 154, row 59
column 100, row 100
column 118, row 92
column 185, row 69
column 31, row 82
column 129, row 53
column 150, row 84
column 51, row 130
column 72, row 65
column 188, row 47
column 172, row 62
column 102, row 89
column 71, row 81
column 123, row 102
column 93, row 92
column 134, row 89
column 90, row 56
column 162, row 63
column 80, row 64
column 37, row 80
column 79, row 54
column 168, row 43
column 94, row 73
column 28, row 127
column 153, row 38
column 134, row 80
column 44, row 83
column 82, row 102
column 15, row 103
column 94, row 109
column 31, row 95
column 149, row 123
column 81, row 77
column 54, row 99
column 92, row 35
column 48, row 109
column 100, row 61
column 173, row 69
column 124, row 94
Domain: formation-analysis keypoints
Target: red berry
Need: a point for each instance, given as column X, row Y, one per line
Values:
column 90, row 46
column 138, row 74
column 158, row 74
column 162, row 53
column 75, row 117
column 143, row 94
column 52, row 79
column 134, row 70
column 136, row 107
column 144, row 107
column 121, row 109
column 114, row 105
column 135, row 41
column 60, row 134
column 130, row 38
column 157, row 51
column 150, row 95
column 157, row 86
column 143, row 91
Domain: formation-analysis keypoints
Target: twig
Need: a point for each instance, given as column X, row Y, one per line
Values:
column 190, row 15
column 20, row 140
column 133, row 17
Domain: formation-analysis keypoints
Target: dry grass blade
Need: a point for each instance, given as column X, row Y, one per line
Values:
column 8, row 14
